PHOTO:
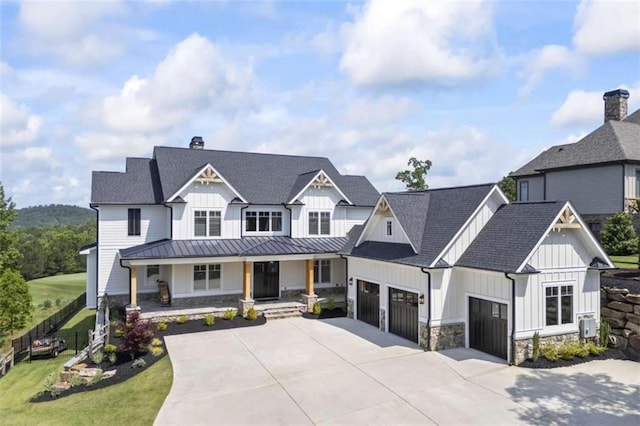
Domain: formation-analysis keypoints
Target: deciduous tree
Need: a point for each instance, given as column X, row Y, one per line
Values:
column 9, row 254
column 415, row 179
column 508, row 186
column 15, row 301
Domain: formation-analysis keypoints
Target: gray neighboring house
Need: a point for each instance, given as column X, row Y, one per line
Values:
column 599, row 174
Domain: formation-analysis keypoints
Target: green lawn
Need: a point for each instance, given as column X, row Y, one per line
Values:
column 136, row 401
column 625, row 262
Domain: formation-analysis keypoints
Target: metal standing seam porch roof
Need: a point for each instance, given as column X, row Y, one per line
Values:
column 246, row 246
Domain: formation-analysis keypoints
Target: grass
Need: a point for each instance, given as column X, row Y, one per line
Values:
column 136, row 401
column 625, row 262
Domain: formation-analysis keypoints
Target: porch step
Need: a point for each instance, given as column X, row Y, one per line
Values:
column 280, row 310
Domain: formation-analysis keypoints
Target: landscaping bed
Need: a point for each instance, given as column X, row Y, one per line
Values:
column 326, row 313
column 542, row 362
column 125, row 367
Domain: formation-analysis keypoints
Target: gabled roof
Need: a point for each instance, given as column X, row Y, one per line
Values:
column 306, row 180
column 430, row 219
column 260, row 178
column 614, row 141
column 210, row 174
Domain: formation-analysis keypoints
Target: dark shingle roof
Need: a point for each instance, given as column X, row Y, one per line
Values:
column 614, row 141
column 247, row 246
column 259, row 178
column 510, row 236
column 430, row 218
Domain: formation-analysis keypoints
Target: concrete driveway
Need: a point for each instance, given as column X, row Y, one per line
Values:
column 341, row 371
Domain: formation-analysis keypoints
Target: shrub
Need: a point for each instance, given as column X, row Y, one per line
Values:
column 119, row 332
column 618, row 236
column 156, row 342
column 252, row 315
column 162, row 326
column 317, row 308
column 181, row 319
column 331, row 303
column 95, row 379
column 230, row 314
column 75, row 381
column 47, row 304
column 110, row 348
column 59, row 302
column 572, row 349
column 594, row 349
column 139, row 363
column 209, row 320
column 605, row 332
column 138, row 335
column 97, row 357
column 550, row 352
column 156, row 351
column 112, row 357
column 536, row 346
column 50, row 381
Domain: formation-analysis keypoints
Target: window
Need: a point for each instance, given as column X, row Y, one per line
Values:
column 206, row 223
column 389, row 228
column 322, row 271
column 595, row 228
column 559, row 305
column 524, row 190
column 206, row 277
column 153, row 274
column 263, row 221
column 319, row 223
column 637, row 183
column 134, row 221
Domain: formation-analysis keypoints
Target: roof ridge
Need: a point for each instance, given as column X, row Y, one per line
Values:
column 449, row 188
column 241, row 152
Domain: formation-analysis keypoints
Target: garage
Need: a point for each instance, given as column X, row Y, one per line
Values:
column 488, row 326
column 403, row 314
column 369, row 302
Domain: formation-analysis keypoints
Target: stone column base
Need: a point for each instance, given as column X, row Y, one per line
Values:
column 350, row 308
column 244, row 305
column 309, row 300
column 131, row 308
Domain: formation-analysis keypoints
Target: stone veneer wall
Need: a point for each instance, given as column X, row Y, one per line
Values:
column 621, row 309
column 524, row 347
column 383, row 319
column 444, row 337
column 350, row 305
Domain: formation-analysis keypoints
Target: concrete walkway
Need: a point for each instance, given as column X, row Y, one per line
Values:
column 342, row 371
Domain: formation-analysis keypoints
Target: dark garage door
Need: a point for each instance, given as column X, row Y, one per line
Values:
column 403, row 314
column 369, row 302
column 488, row 327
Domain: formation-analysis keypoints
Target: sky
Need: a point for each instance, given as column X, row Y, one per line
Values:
column 477, row 87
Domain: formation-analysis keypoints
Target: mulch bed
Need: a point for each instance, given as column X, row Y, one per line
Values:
column 124, row 363
column 542, row 362
column 326, row 313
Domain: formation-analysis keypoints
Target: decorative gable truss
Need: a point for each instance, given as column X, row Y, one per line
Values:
column 567, row 220
column 206, row 176
column 321, row 180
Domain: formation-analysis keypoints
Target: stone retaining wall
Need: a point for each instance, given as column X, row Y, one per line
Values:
column 621, row 309
column 524, row 347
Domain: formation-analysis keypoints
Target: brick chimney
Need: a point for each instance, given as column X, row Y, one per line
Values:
column 615, row 105
column 198, row 143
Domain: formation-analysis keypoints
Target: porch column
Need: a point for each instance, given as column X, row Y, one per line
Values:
column 309, row 298
column 246, row 302
column 134, row 286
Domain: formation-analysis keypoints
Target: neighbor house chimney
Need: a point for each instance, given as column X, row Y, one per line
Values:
column 615, row 105
column 198, row 143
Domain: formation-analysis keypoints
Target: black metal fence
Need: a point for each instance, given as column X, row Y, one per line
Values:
column 47, row 329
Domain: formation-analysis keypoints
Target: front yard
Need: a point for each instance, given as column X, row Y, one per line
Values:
column 625, row 262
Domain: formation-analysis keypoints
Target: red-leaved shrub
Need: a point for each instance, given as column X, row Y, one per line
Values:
column 137, row 336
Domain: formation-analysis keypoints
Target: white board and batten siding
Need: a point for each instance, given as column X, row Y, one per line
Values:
column 318, row 199
column 387, row 275
column 113, row 236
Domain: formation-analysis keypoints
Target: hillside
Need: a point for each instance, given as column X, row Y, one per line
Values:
column 52, row 215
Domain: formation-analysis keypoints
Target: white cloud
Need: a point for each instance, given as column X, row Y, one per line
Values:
column 607, row 27
column 18, row 126
column 410, row 41
column 539, row 61
column 582, row 107
column 191, row 79
column 103, row 147
column 382, row 110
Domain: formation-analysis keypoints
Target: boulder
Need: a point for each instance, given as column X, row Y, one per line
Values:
column 616, row 322
column 606, row 312
column 79, row 366
column 618, row 342
column 633, row 327
column 63, row 386
column 616, row 290
column 633, row 317
column 620, row 306
column 633, row 298
column 616, row 296
column 634, row 342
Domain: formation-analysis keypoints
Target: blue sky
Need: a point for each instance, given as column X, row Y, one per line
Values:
column 477, row 87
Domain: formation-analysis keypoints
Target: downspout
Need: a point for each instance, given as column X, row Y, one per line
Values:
column 290, row 223
column 129, row 268
column 97, row 248
column 241, row 227
column 424, row 271
column 513, row 317
column 624, row 189
column 346, row 281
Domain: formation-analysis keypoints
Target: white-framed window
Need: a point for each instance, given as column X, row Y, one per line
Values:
column 322, row 271
column 389, row 228
column 263, row 221
column 558, row 304
column 319, row 223
column 207, row 223
column 524, row 191
column 153, row 274
column 638, row 183
column 133, row 222
column 206, row 277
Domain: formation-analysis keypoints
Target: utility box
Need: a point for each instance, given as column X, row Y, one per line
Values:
column 587, row 328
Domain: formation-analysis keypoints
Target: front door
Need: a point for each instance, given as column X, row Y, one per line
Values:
column 266, row 280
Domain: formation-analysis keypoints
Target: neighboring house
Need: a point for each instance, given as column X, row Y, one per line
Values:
column 460, row 267
column 219, row 226
column 599, row 174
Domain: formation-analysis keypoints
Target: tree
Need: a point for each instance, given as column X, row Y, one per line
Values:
column 9, row 254
column 618, row 236
column 137, row 335
column 15, row 301
column 415, row 179
column 508, row 186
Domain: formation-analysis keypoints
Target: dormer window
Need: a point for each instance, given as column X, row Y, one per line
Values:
column 263, row 221
column 389, row 228
column 319, row 223
column 207, row 223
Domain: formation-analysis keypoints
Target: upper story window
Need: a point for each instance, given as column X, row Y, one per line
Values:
column 637, row 183
column 389, row 228
column 134, row 222
column 263, row 221
column 558, row 305
column 207, row 223
column 319, row 223
column 322, row 271
column 524, row 191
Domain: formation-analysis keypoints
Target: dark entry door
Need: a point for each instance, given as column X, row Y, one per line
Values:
column 488, row 327
column 266, row 280
column 369, row 302
column 403, row 314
